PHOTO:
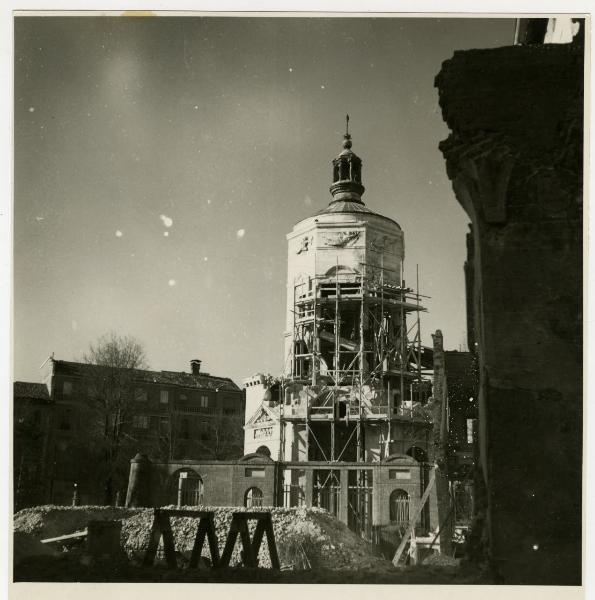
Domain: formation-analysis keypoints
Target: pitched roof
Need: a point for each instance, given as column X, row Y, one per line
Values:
column 203, row 381
column 272, row 412
column 31, row 391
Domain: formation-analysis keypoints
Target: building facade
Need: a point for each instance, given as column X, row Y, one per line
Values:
column 165, row 414
column 33, row 410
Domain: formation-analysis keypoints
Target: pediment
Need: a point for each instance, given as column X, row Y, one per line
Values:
column 262, row 416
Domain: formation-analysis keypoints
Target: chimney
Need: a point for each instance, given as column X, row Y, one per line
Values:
column 195, row 366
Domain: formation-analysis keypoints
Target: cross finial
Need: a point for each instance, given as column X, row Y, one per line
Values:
column 347, row 124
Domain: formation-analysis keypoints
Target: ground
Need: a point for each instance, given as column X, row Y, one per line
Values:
column 313, row 547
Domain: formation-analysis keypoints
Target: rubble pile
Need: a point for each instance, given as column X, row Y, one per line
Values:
column 305, row 538
column 52, row 521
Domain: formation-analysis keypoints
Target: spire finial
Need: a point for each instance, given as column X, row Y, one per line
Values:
column 347, row 172
column 347, row 137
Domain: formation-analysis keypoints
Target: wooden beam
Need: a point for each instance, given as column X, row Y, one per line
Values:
column 414, row 518
column 63, row 538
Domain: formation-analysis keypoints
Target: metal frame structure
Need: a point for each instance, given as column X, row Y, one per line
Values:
column 358, row 324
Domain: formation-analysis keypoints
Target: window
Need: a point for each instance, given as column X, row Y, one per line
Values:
column 399, row 474
column 204, row 401
column 140, row 395
column 253, row 498
column 140, row 422
column 65, row 420
column 185, row 429
column 399, row 507
column 254, row 472
column 164, row 425
column 470, row 431
column 164, row 397
column 264, row 450
column 67, row 388
column 187, row 488
column 205, row 433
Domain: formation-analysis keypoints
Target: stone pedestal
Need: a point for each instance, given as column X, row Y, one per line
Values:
column 139, row 482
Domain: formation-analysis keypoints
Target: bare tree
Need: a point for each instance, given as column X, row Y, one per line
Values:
column 110, row 385
column 224, row 437
column 169, row 441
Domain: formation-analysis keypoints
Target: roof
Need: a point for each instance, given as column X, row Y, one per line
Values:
column 178, row 378
column 345, row 206
column 272, row 411
column 31, row 391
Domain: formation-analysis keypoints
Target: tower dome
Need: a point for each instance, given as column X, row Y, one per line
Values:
column 347, row 188
column 347, row 173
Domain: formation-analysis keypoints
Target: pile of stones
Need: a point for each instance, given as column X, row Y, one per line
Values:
column 305, row 538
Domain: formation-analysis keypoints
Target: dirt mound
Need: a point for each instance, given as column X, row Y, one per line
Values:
column 306, row 538
column 51, row 521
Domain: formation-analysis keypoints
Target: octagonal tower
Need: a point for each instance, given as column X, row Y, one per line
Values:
column 347, row 354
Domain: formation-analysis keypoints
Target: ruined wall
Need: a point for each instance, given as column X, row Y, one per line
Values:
column 225, row 483
column 515, row 160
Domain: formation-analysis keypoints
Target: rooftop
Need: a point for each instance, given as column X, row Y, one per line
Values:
column 345, row 206
column 31, row 391
column 178, row 378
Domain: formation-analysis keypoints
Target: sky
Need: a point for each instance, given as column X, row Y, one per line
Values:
column 160, row 162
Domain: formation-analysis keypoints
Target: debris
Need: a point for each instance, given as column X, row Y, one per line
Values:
column 306, row 538
column 64, row 538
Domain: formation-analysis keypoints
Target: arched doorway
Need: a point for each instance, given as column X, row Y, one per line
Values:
column 399, row 508
column 421, row 456
column 186, row 488
column 253, row 498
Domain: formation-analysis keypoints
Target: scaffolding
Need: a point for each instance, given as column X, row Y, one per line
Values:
column 355, row 360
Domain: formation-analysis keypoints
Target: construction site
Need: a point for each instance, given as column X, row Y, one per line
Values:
column 350, row 425
column 348, row 421
column 371, row 457
column 349, row 429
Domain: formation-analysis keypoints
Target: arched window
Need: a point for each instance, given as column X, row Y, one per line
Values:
column 418, row 454
column 187, row 488
column 253, row 498
column 264, row 450
column 399, row 507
